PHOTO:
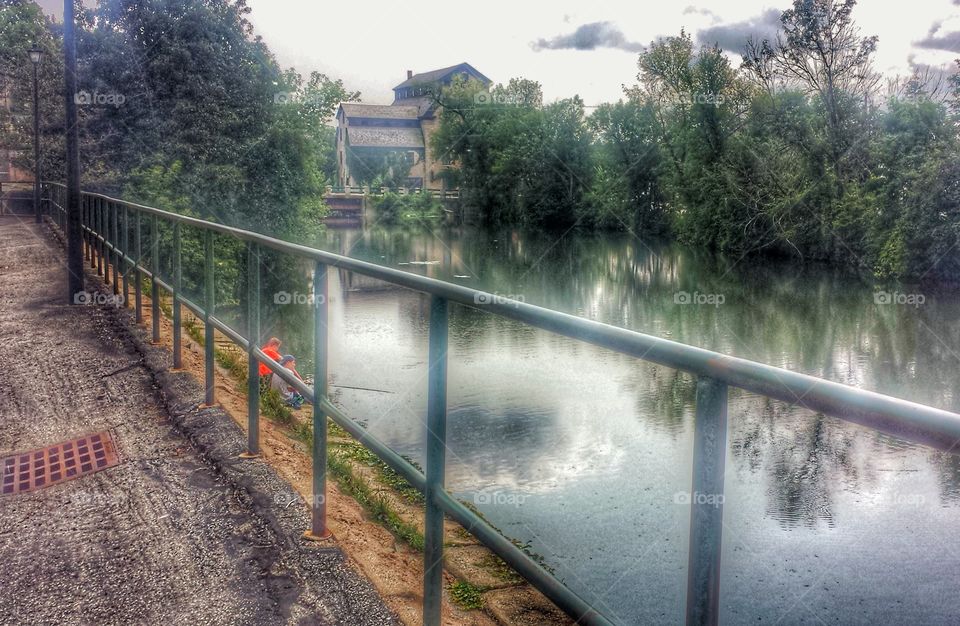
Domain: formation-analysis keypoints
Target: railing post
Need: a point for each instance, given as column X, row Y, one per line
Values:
column 125, row 254
column 105, row 213
column 208, row 309
column 91, row 227
column 154, row 276
column 88, row 238
column 706, row 503
column 115, row 240
column 138, row 261
column 85, row 229
column 253, row 365
column 318, row 518
column 436, row 462
column 99, row 247
column 177, row 312
column 107, row 251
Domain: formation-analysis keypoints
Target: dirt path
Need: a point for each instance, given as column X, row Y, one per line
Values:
column 181, row 531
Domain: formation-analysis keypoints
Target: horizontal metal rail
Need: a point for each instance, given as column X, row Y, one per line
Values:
column 715, row 371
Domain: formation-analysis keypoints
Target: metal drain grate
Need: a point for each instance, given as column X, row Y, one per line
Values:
column 27, row 471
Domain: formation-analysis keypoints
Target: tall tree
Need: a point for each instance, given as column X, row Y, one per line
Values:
column 819, row 49
column 626, row 191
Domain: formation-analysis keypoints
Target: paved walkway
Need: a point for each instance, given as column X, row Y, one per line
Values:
column 181, row 531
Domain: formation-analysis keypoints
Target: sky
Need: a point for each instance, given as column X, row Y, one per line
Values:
column 569, row 46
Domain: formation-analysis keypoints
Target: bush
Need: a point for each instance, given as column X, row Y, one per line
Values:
column 394, row 208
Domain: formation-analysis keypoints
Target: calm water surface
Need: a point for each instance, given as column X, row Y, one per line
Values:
column 585, row 455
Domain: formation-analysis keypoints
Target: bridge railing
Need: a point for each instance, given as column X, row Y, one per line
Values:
column 108, row 224
column 361, row 190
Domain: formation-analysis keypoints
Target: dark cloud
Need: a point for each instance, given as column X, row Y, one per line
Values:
column 733, row 37
column 589, row 37
column 939, row 39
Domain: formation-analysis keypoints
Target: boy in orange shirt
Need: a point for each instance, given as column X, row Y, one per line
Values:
column 272, row 350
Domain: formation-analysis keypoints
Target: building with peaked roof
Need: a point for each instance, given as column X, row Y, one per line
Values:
column 367, row 133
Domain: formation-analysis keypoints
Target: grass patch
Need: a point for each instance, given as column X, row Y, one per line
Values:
column 335, row 430
column 273, row 407
column 374, row 504
column 500, row 569
column 467, row 595
column 235, row 365
column 386, row 474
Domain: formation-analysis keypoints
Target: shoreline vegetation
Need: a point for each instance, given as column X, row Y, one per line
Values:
column 802, row 150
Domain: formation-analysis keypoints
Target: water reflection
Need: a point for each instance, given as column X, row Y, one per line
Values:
column 599, row 444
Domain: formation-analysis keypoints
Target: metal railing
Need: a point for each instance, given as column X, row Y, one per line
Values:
column 10, row 187
column 107, row 246
column 361, row 190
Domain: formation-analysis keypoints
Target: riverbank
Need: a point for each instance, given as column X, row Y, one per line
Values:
column 373, row 513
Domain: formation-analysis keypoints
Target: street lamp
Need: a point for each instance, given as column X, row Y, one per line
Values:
column 36, row 56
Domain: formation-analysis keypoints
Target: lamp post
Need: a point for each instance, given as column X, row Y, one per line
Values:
column 36, row 56
column 74, row 232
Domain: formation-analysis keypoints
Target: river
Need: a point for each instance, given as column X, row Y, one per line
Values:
column 585, row 455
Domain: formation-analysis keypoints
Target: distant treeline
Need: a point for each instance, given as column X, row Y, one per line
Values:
column 801, row 150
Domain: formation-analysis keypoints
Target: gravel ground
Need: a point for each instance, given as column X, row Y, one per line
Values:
column 182, row 531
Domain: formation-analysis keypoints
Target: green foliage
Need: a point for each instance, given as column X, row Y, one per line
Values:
column 955, row 96
column 791, row 153
column 467, row 595
column 273, row 406
column 23, row 26
column 788, row 154
column 379, row 168
column 625, row 193
column 518, row 161
column 411, row 208
column 385, row 474
column 202, row 118
column 375, row 504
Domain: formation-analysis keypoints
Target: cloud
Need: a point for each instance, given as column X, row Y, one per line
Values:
column 733, row 37
column 692, row 10
column 943, row 35
column 589, row 37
